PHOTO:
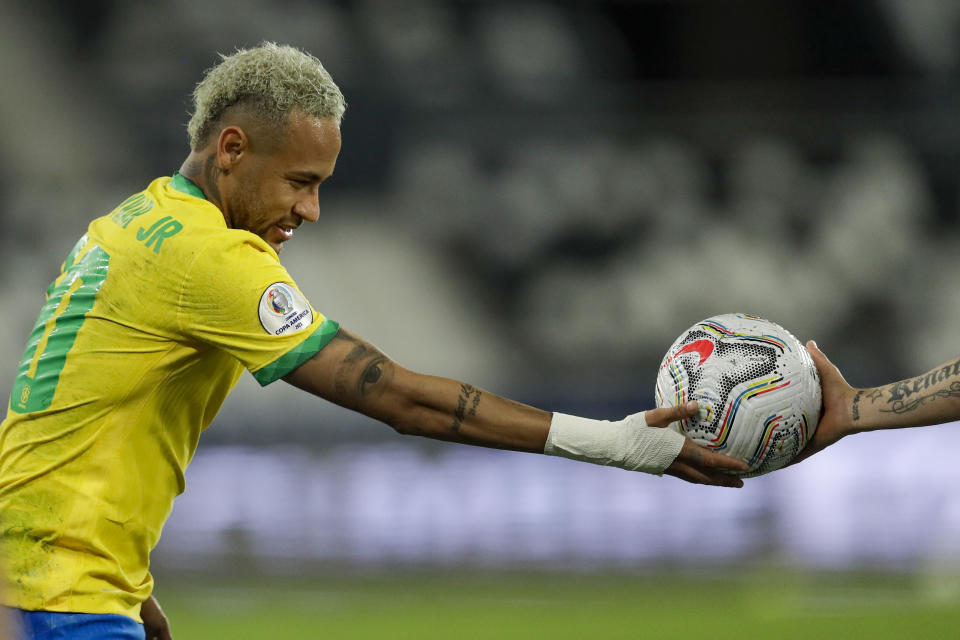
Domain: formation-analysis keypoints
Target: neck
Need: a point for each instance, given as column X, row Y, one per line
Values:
column 201, row 167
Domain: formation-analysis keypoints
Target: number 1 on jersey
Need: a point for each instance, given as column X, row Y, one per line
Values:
column 69, row 299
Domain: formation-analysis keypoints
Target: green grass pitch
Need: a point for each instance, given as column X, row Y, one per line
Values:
column 467, row 605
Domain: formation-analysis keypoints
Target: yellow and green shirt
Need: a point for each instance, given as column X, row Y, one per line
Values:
column 156, row 312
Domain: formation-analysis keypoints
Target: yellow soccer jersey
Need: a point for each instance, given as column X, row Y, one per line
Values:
column 157, row 311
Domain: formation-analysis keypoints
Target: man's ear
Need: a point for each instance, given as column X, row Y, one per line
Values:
column 232, row 144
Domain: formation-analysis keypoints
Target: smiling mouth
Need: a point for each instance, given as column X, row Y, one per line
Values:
column 277, row 235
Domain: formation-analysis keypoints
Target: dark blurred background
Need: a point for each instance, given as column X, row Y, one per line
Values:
column 538, row 197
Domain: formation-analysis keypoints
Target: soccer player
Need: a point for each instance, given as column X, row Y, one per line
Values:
column 930, row 398
column 158, row 309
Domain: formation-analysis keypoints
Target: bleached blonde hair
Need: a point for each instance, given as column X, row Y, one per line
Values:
column 271, row 81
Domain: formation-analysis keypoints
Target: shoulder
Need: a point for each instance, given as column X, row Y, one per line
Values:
column 228, row 250
column 231, row 262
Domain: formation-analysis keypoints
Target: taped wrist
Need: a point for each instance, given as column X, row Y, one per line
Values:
column 628, row 444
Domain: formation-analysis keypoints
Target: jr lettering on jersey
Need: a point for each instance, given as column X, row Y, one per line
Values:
column 137, row 205
column 163, row 228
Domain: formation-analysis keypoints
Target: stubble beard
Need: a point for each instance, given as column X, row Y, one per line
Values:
column 248, row 208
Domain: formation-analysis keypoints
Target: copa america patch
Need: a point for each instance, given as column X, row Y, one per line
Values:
column 284, row 310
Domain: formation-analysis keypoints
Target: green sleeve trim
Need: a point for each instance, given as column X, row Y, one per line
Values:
column 299, row 354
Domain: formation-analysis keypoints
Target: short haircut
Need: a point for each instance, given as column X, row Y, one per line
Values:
column 270, row 81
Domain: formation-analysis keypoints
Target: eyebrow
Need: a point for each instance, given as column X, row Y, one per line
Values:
column 306, row 175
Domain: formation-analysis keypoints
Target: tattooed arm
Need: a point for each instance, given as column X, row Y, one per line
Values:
column 354, row 374
column 930, row 398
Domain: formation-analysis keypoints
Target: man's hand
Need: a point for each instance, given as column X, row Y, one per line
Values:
column 695, row 463
column 154, row 621
column 838, row 397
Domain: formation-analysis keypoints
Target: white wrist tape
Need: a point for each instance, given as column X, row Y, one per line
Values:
column 629, row 444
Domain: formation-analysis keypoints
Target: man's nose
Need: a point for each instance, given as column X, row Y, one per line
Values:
column 308, row 208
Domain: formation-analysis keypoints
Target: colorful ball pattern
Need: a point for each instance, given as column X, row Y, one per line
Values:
column 757, row 387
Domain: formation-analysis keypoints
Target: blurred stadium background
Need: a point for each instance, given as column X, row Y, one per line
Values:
column 537, row 197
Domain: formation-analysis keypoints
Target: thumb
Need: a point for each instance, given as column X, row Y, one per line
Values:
column 827, row 370
column 665, row 415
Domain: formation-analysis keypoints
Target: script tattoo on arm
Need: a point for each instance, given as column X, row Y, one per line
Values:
column 469, row 395
column 909, row 395
column 901, row 406
column 855, row 408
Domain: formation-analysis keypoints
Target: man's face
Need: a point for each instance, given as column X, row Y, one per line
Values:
column 274, row 188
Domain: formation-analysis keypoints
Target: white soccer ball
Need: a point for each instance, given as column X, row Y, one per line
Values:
column 757, row 387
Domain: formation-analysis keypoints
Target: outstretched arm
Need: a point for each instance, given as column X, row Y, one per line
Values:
column 354, row 374
column 930, row 398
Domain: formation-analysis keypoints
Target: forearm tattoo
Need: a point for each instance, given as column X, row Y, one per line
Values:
column 371, row 361
column 469, row 397
column 901, row 406
column 909, row 395
column 855, row 408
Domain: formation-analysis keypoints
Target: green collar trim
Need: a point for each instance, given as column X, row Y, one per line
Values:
column 186, row 185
